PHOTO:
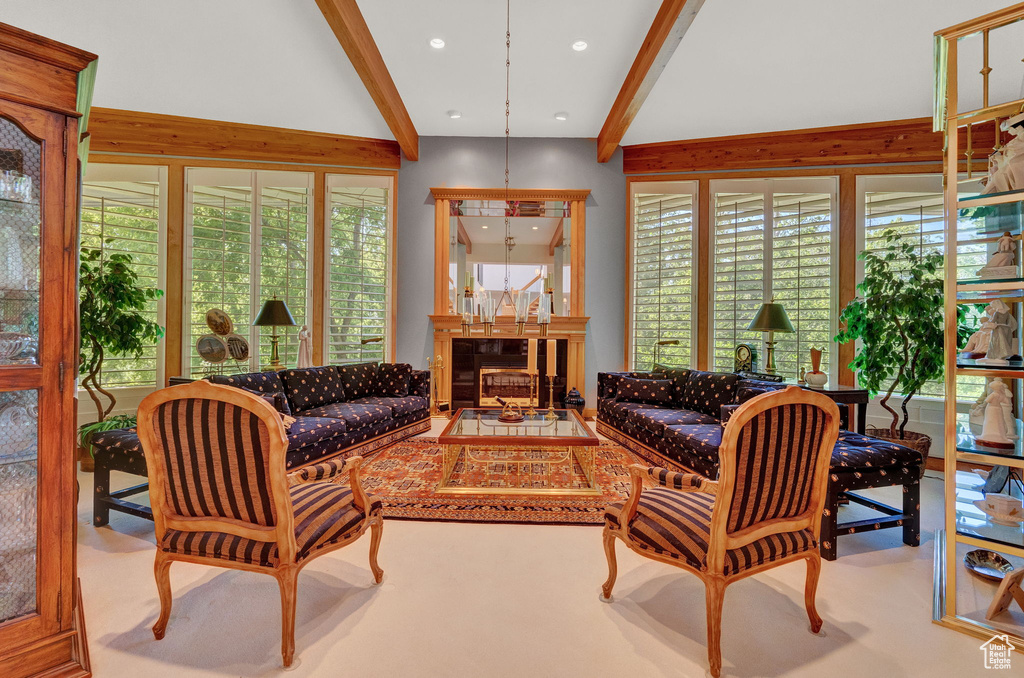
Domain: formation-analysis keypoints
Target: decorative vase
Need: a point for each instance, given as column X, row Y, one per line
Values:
column 816, row 378
column 574, row 401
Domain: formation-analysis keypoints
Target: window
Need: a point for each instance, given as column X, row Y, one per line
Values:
column 359, row 263
column 913, row 206
column 774, row 239
column 122, row 212
column 247, row 241
column 662, row 273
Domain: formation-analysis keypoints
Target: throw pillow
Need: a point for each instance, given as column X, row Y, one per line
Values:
column 393, row 380
column 707, row 391
column 679, row 376
column 745, row 393
column 649, row 391
column 358, row 380
column 312, row 387
column 276, row 399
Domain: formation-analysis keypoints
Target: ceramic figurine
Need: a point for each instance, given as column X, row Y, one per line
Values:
column 1002, row 264
column 977, row 344
column 977, row 412
column 816, row 378
column 1006, row 166
column 994, row 431
column 305, row 358
column 1002, row 343
column 802, row 374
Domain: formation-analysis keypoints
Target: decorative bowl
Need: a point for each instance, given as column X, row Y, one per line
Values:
column 987, row 564
column 13, row 343
column 999, row 518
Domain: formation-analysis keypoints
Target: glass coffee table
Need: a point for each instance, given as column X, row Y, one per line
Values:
column 482, row 455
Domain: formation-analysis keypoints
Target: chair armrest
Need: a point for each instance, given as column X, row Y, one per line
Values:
column 330, row 470
column 419, row 383
column 684, row 482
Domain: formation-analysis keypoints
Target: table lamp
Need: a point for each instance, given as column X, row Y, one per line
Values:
column 274, row 313
column 771, row 318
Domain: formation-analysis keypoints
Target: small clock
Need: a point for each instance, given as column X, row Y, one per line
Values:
column 745, row 358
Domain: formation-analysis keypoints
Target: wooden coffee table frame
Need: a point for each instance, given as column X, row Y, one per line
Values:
column 559, row 449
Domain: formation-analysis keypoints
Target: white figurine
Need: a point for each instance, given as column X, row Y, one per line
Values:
column 977, row 344
column 1006, row 166
column 995, row 430
column 1002, row 343
column 1002, row 264
column 305, row 358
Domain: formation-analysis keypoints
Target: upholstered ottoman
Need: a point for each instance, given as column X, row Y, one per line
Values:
column 117, row 450
column 861, row 462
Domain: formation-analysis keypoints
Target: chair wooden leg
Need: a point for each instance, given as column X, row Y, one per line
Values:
column 613, row 569
column 287, row 580
column 161, row 569
column 813, row 570
column 715, row 596
column 376, row 529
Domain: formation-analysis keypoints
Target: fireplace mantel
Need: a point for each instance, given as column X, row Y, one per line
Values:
column 571, row 328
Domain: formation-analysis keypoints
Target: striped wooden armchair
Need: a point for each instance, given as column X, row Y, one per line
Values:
column 221, row 496
column 765, row 510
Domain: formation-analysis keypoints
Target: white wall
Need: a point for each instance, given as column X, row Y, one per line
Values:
column 534, row 163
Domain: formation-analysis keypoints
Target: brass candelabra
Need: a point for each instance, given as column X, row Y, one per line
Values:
column 551, row 400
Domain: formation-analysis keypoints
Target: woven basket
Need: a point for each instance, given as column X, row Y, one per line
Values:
column 915, row 441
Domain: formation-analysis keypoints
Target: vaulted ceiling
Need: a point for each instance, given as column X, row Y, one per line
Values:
column 744, row 65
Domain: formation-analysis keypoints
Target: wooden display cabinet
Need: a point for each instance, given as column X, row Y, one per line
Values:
column 41, row 629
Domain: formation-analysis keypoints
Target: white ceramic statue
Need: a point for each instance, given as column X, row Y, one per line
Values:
column 999, row 425
column 977, row 344
column 305, row 358
column 1006, row 166
column 1002, row 343
column 1002, row 264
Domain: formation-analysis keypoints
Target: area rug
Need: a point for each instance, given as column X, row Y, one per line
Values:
column 405, row 476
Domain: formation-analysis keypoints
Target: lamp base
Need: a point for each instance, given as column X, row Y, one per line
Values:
column 275, row 359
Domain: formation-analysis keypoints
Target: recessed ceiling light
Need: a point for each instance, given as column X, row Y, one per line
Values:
column 535, row 228
column 438, row 43
column 561, row 115
column 484, row 226
column 454, row 115
column 579, row 45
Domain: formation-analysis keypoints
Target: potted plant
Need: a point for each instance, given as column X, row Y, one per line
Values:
column 111, row 322
column 898, row 318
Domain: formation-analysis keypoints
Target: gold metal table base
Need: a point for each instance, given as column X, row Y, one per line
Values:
column 548, row 455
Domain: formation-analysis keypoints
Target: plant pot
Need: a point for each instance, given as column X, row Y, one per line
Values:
column 915, row 441
column 86, row 462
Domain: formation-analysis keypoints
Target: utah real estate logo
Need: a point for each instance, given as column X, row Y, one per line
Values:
column 997, row 651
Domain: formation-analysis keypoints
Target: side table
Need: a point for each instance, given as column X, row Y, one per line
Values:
column 849, row 395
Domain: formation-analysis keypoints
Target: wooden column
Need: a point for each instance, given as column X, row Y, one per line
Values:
column 441, row 210
column 578, row 256
column 318, row 251
column 703, row 318
column 847, row 263
column 175, row 297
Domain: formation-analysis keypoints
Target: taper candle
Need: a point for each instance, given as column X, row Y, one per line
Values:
column 552, row 351
column 531, row 356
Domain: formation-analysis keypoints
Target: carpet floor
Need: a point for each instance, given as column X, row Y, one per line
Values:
column 405, row 476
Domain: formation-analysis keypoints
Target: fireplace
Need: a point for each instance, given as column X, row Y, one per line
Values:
column 487, row 366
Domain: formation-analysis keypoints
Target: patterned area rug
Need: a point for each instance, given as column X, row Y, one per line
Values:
column 405, row 476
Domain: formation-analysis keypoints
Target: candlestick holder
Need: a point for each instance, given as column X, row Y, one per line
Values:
column 531, row 411
column 551, row 400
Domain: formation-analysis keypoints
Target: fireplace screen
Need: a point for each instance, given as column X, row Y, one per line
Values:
column 509, row 385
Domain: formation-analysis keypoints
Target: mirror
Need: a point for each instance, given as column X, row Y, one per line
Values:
column 539, row 255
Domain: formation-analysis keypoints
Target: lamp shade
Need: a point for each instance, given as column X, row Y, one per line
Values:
column 274, row 312
column 771, row 318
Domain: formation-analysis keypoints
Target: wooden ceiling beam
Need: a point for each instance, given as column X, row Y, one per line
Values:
column 557, row 237
column 350, row 28
column 464, row 237
column 670, row 24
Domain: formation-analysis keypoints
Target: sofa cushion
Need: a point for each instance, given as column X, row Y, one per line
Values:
column 419, row 383
column 679, row 377
column 312, row 387
column 359, row 380
column 621, row 410
column 393, row 380
column 697, row 445
column 650, row 391
column 309, row 430
column 276, row 399
column 264, row 382
column 707, row 391
column 608, row 382
column 678, row 524
column 657, row 419
column 399, row 407
column 354, row 415
column 856, row 453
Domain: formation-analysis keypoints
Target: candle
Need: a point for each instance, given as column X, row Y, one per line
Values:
column 469, row 283
column 531, row 356
column 552, row 351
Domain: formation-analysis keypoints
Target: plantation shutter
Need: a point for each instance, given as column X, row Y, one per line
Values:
column 121, row 212
column 662, row 263
column 359, row 295
column 774, row 239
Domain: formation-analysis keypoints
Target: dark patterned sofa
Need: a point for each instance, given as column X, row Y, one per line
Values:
column 338, row 412
column 675, row 418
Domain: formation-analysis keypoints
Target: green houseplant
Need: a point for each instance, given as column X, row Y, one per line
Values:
column 898, row 318
column 111, row 302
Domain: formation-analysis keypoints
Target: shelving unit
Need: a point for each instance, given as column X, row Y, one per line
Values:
column 960, row 599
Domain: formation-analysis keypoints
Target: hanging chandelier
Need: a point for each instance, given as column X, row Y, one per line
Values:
column 519, row 301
